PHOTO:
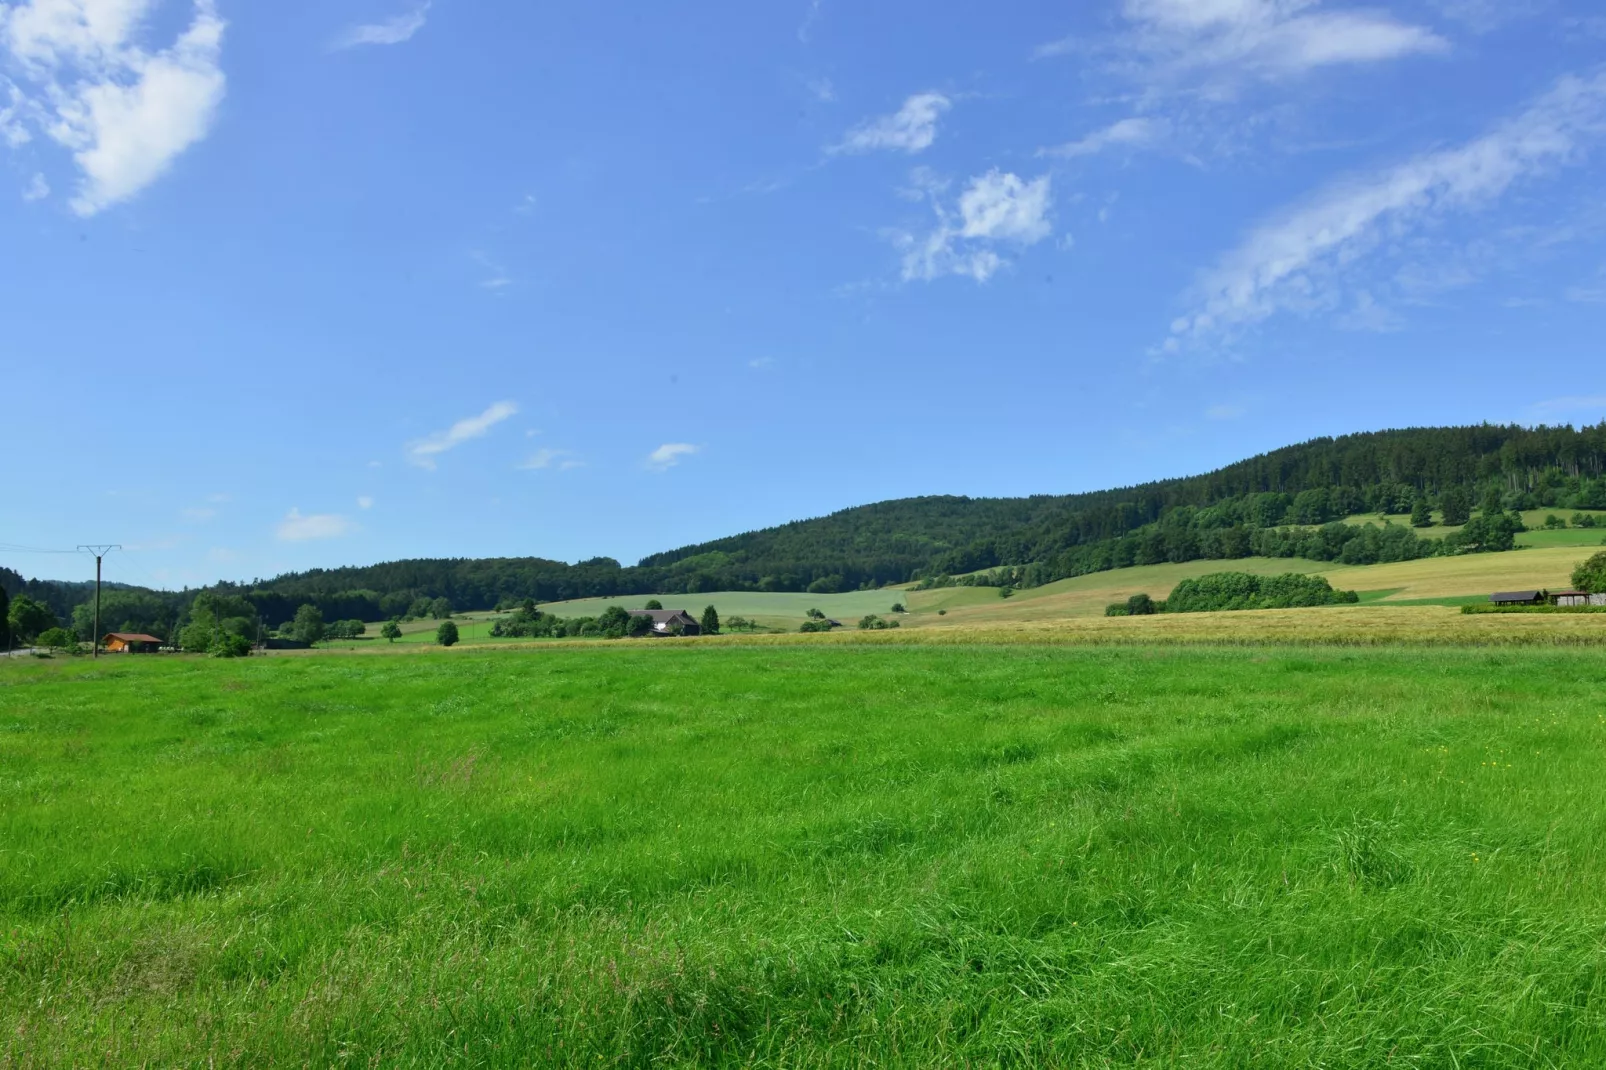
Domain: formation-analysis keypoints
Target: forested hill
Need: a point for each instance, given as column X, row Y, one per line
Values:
column 1276, row 503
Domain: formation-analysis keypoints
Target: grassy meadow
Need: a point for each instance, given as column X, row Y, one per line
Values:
column 833, row 854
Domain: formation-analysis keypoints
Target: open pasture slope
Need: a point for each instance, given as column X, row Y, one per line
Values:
column 837, row 855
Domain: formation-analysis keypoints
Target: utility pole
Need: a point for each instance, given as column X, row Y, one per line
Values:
column 99, row 552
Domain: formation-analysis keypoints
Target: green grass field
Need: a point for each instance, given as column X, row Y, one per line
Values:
column 824, row 854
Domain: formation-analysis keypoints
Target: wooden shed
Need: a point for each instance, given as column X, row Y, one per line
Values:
column 1518, row 598
column 1571, row 598
column 130, row 643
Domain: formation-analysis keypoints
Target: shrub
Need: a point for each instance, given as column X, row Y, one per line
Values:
column 391, row 631
column 614, row 623
column 639, row 627
column 1141, row 605
column 1241, row 590
column 57, row 639
column 814, row 626
column 1117, row 609
column 1554, row 522
column 871, row 622
column 653, row 603
column 1591, row 575
column 446, row 634
column 1583, row 520
column 231, row 646
column 897, row 607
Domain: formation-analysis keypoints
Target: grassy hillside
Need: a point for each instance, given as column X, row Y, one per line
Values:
column 1445, row 581
column 675, row 854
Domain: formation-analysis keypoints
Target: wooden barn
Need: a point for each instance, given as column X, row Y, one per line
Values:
column 130, row 643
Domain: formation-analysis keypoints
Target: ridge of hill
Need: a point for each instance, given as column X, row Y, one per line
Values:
column 1289, row 502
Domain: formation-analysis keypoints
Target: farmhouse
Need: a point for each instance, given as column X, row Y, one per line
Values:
column 1518, row 598
column 130, row 643
column 670, row 621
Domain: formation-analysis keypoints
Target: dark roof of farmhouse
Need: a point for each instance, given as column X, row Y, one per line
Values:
column 1515, row 596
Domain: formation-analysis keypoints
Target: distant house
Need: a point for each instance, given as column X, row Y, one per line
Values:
column 130, row 643
column 274, row 643
column 670, row 621
column 1571, row 598
column 1518, row 598
column 833, row 622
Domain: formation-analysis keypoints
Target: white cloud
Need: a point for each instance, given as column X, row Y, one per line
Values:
column 1560, row 406
column 424, row 451
column 1296, row 261
column 1222, row 42
column 364, row 502
column 805, row 30
column 912, row 128
column 562, row 460
column 1127, row 133
column 38, row 189
column 996, row 207
column 391, row 31
column 822, row 90
column 1062, row 47
column 297, row 528
column 125, row 113
column 12, row 130
column 761, row 362
column 670, row 454
column 1592, row 292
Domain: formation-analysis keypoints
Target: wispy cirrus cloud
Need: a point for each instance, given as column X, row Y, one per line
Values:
column 1133, row 133
column 670, row 454
column 395, row 30
column 912, row 128
column 89, row 82
column 1298, row 261
column 996, row 209
column 424, row 451
column 296, row 527
column 1219, row 43
column 543, row 459
column 1552, row 407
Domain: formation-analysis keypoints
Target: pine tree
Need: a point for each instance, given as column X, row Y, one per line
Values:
column 710, row 621
column 1421, row 515
column 5, row 620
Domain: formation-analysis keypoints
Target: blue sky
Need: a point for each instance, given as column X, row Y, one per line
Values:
column 305, row 284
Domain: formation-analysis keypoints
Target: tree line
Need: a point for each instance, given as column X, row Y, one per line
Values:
column 1280, row 504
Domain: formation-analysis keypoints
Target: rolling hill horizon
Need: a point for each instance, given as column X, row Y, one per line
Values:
column 1229, row 512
